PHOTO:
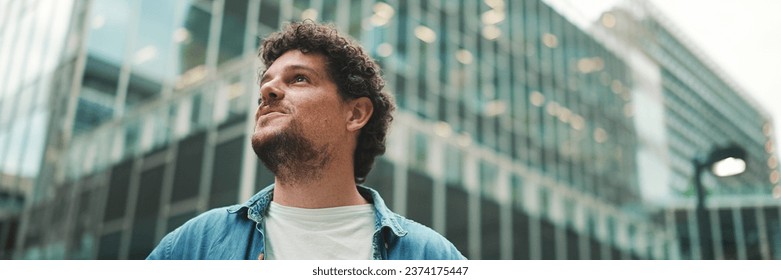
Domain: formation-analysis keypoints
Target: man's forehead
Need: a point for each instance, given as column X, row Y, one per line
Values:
column 296, row 60
column 296, row 56
column 265, row 76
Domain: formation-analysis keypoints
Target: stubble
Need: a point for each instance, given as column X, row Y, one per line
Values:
column 291, row 156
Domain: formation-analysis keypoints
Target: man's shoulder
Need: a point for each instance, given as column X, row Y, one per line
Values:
column 420, row 233
column 198, row 233
column 411, row 240
column 429, row 243
column 216, row 215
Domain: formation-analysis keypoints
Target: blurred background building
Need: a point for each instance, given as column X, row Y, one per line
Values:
column 520, row 135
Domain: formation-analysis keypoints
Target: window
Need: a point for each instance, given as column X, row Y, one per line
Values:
column 420, row 197
column 420, row 152
column 191, row 39
column 490, row 229
column 234, row 21
column 189, row 162
column 488, row 178
column 98, row 91
column 226, row 173
column 400, row 92
column 728, row 240
column 457, row 219
column 109, row 27
column 109, row 246
column 142, row 239
column 520, row 225
column 381, row 179
column 263, row 176
column 132, row 137
column 153, row 45
column 454, row 165
column 269, row 14
column 117, row 191
column 548, row 243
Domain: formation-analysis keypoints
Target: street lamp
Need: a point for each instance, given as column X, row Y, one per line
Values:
column 722, row 161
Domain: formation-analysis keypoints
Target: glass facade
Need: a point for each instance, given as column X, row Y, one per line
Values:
column 699, row 109
column 32, row 39
column 516, row 135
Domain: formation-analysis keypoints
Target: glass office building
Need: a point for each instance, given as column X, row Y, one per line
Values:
column 686, row 108
column 32, row 41
column 517, row 134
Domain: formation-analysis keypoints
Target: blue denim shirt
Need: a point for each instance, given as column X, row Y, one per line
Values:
column 237, row 232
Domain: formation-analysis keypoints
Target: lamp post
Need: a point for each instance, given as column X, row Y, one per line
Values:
column 722, row 161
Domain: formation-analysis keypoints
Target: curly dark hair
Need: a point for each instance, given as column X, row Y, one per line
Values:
column 355, row 73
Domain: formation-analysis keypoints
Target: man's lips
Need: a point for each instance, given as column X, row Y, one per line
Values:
column 270, row 110
column 274, row 113
column 270, row 114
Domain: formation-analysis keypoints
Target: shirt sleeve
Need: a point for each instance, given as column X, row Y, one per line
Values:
column 163, row 249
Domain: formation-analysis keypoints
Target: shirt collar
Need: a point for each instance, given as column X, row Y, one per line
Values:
column 257, row 206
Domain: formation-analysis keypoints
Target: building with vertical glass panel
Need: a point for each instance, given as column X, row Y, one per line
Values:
column 686, row 107
column 518, row 134
column 32, row 41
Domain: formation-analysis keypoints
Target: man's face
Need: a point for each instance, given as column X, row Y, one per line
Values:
column 301, row 116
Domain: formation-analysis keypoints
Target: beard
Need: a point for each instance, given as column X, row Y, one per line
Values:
column 291, row 156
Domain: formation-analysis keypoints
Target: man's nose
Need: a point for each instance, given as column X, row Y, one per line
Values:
column 271, row 91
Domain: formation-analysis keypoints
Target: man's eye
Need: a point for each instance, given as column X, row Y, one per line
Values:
column 299, row 78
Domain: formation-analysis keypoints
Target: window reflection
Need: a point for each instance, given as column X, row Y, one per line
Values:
column 3, row 144
column 420, row 151
column 14, row 148
column 234, row 21
column 98, row 92
column 152, row 44
column 189, row 160
column 106, row 47
column 141, row 89
column 236, row 95
column 454, row 167
column 490, row 238
column 109, row 246
column 109, row 27
column 132, row 137
column 191, row 37
column 328, row 13
column 420, row 197
column 488, row 174
column 200, row 113
column 269, row 14
column 355, row 18
column 226, row 172
column 161, row 128
column 142, row 239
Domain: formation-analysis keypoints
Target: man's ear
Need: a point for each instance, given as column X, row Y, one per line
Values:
column 361, row 110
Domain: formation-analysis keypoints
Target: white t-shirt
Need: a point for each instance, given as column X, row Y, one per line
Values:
column 338, row 233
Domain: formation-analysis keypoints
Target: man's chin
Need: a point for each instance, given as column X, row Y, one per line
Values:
column 264, row 147
column 266, row 133
column 261, row 141
column 277, row 149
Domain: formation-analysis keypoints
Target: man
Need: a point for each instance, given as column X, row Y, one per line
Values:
column 321, row 120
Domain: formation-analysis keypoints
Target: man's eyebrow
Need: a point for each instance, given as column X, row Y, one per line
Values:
column 265, row 78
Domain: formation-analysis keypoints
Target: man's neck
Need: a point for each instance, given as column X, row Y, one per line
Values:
column 332, row 188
